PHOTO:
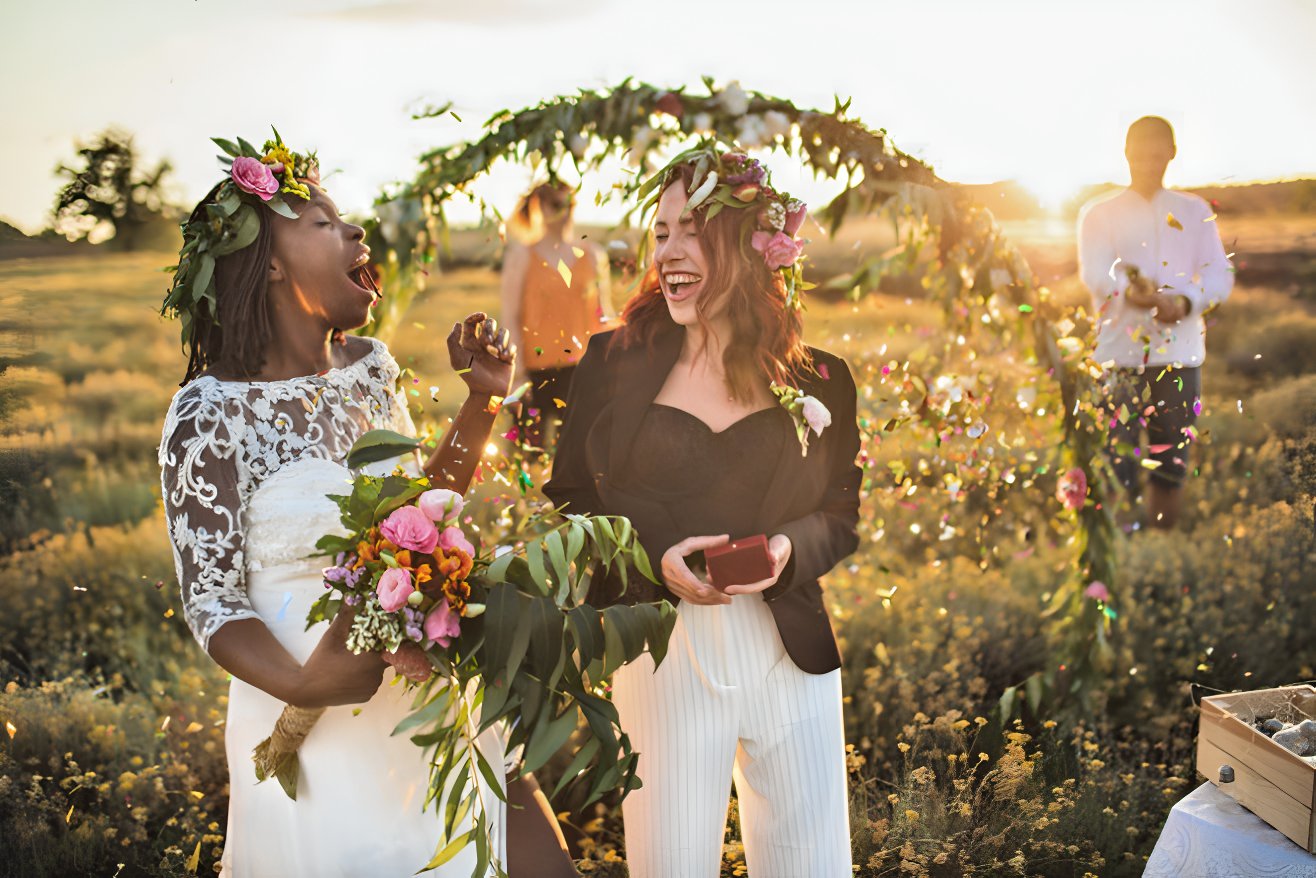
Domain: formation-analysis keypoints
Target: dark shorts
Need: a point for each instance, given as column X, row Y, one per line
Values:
column 1164, row 403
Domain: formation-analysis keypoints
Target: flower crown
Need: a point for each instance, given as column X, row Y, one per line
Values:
column 230, row 220
column 733, row 179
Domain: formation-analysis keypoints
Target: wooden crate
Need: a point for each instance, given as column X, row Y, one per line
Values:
column 1270, row 781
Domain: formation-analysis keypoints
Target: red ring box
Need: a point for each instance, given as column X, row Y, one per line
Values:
column 739, row 562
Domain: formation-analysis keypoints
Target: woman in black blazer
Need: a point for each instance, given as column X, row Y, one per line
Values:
column 672, row 421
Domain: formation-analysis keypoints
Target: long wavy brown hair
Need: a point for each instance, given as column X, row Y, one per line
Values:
column 232, row 338
column 766, row 333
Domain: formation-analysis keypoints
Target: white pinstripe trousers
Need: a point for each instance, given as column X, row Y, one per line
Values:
column 726, row 701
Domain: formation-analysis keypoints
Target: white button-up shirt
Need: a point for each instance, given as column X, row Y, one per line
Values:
column 1174, row 242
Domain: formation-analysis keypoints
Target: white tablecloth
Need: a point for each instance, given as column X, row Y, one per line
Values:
column 1209, row 835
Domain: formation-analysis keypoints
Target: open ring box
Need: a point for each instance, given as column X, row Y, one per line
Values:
column 1268, row 779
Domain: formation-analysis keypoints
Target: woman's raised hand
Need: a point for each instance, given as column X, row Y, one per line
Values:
column 681, row 580
column 482, row 354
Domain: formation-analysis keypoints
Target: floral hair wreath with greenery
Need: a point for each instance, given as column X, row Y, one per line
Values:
column 230, row 222
column 732, row 179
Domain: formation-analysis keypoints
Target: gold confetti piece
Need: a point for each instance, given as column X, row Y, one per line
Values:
column 169, row 613
column 1210, row 219
column 11, row 729
column 1150, row 464
column 564, row 270
column 577, row 252
column 194, row 727
column 196, row 795
column 1173, row 223
column 194, row 860
column 164, row 725
column 559, row 403
column 69, row 815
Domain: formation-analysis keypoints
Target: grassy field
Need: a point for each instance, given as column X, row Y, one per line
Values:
column 113, row 764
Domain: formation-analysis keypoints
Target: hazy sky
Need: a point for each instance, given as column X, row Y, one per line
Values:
column 1036, row 91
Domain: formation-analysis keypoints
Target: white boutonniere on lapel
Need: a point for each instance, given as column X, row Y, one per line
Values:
column 807, row 412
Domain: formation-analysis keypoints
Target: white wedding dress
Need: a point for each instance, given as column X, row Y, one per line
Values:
column 246, row 470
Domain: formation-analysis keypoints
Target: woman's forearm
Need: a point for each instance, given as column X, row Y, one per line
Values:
column 248, row 650
column 453, row 463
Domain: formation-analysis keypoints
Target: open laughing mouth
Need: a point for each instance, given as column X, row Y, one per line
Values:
column 680, row 285
column 360, row 275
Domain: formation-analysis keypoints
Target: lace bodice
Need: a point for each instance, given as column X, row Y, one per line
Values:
column 223, row 440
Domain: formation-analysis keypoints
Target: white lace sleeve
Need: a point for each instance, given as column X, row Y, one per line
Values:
column 203, row 488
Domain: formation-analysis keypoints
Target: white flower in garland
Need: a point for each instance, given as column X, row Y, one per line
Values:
column 808, row 412
column 751, row 132
column 734, row 99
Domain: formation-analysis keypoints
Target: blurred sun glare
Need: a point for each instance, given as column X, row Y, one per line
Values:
column 1053, row 187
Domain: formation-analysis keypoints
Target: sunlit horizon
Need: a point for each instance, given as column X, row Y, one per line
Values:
column 1034, row 92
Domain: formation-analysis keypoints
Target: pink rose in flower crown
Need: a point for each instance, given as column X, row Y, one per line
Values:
column 442, row 624
column 1072, row 489
column 394, row 588
column 453, row 538
column 796, row 212
column 779, row 250
column 410, row 528
column 1097, row 591
column 440, row 504
column 253, row 176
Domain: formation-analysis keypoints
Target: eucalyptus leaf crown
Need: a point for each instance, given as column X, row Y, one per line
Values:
column 725, row 178
column 229, row 221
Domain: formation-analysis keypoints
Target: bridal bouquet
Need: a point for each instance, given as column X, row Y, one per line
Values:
column 483, row 635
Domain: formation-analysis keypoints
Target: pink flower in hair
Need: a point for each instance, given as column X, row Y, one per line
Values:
column 796, row 211
column 255, row 177
column 779, row 250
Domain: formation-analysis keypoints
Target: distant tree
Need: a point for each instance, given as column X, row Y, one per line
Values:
column 109, row 196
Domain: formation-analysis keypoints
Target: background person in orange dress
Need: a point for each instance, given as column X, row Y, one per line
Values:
column 556, row 293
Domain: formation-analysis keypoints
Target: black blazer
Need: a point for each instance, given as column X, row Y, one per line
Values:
column 814, row 500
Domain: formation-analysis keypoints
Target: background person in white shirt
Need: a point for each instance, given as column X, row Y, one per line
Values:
column 1153, row 262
